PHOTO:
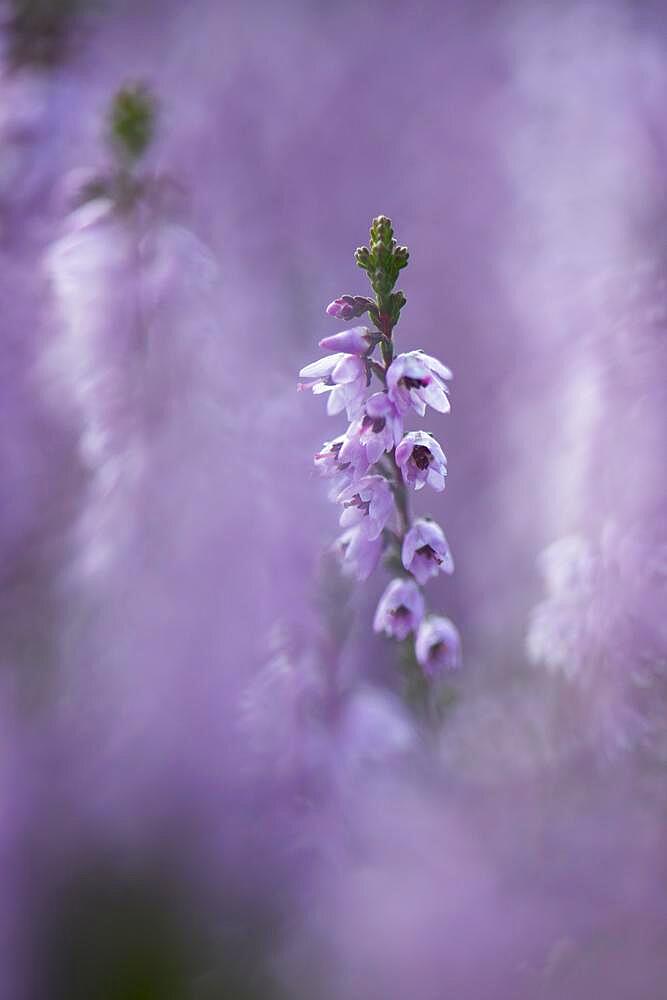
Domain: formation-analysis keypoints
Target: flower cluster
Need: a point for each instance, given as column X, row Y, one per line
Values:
column 375, row 462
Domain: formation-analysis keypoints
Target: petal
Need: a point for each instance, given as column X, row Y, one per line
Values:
column 322, row 367
column 336, row 402
column 350, row 517
column 374, row 449
column 403, row 450
column 436, row 397
column 379, row 405
column 409, row 547
column 435, row 365
column 417, row 402
column 347, row 369
column 353, row 341
column 436, row 480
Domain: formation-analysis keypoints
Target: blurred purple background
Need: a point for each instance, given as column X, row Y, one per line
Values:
column 210, row 785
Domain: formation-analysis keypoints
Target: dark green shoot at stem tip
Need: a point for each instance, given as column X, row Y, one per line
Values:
column 132, row 121
column 383, row 259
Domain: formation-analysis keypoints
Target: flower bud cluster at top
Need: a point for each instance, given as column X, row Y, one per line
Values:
column 375, row 462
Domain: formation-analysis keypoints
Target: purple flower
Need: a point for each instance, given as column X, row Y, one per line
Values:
column 425, row 550
column 343, row 376
column 422, row 460
column 400, row 610
column 415, row 380
column 329, row 464
column 438, row 646
column 356, row 340
column 360, row 553
column 349, row 307
column 369, row 503
column 377, row 430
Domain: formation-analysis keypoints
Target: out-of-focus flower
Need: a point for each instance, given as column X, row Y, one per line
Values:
column 400, row 610
column 343, row 376
column 415, row 380
column 349, row 307
column 422, row 460
column 559, row 633
column 369, row 503
column 438, row 646
column 425, row 551
column 356, row 340
column 377, row 430
column 360, row 554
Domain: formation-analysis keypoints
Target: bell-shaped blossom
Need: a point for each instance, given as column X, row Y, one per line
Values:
column 376, row 430
column 438, row 646
column 343, row 376
column 356, row 340
column 415, row 380
column 422, row 460
column 425, row 551
column 368, row 503
column 360, row 554
column 400, row 610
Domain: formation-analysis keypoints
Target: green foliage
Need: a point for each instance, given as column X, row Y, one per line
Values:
column 383, row 259
column 132, row 120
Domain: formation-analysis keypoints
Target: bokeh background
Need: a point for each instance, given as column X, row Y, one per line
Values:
column 211, row 784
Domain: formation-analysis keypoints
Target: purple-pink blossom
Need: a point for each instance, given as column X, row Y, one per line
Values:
column 360, row 554
column 416, row 380
column 425, row 551
column 377, row 429
column 343, row 376
column 349, row 306
column 368, row 503
column 400, row 610
column 422, row 460
column 329, row 464
column 438, row 646
column 356, row 340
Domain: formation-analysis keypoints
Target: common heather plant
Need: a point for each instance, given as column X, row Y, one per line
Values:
column 375, row 462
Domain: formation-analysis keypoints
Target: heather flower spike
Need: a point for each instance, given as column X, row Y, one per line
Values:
column 374, row 460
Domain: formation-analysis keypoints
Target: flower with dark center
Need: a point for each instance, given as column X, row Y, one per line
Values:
column 368, row 503
column 400, row 610
column 416, row 380
column 377, row 430
column 359, row 553
column 438, row 646
column 425, row 551
column 422, row 460
column 341, row 375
